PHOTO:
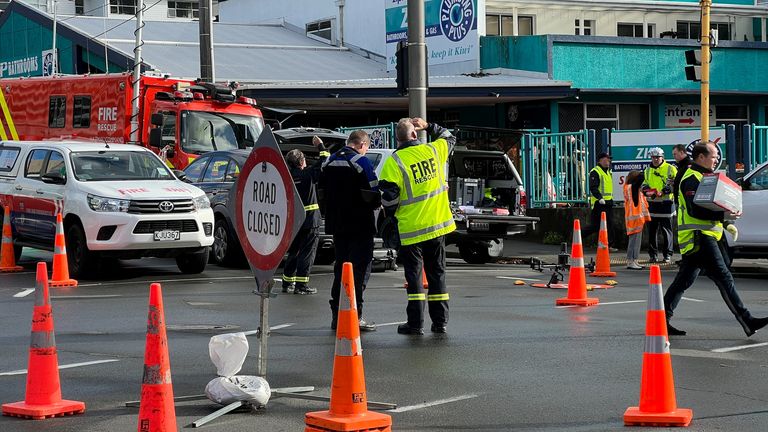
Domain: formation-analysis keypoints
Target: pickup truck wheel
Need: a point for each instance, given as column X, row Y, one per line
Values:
column 193, row 263
column 474, row 253
column 81, row 261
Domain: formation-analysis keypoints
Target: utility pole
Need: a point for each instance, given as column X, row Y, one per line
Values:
column 137, row 60
column 54, row 65
column 417, row 61
column 206, row 41
column 706, row 57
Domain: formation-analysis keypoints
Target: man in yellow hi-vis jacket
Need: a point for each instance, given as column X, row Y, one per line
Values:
column 414, row 189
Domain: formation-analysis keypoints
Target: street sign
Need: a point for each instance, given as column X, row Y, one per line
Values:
column 268, row 209
column 685, row 115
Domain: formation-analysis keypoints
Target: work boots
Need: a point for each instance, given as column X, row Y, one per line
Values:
column 755, row 324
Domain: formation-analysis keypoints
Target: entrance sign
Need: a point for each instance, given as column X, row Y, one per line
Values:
column 685, row 116
column 630, row 149
column 268, row 209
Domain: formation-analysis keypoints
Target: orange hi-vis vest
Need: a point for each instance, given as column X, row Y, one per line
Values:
column 635, row 214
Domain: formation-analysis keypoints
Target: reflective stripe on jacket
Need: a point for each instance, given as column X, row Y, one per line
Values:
column 660, row 177
column 687, row 225
column 635, row 213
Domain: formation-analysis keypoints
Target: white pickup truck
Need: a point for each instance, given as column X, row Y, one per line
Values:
column 753, row 233
column 118, row 201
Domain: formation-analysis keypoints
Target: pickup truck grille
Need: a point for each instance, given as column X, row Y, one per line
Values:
column 149, row 227
column 161, row 206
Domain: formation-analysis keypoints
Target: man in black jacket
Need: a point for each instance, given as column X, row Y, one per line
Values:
column 683, row 161
column 350, row 193
column 699, row 231
column 301, row 254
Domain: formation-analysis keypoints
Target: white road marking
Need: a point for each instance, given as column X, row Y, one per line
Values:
column 24, row 293
column 694, row 300
column 740, row 347
column 202, row 303
column 516, row 278
column 603, row 304
column 277, row 327
column 390, row 324
column 433, row 403
column 67, row 366
column 211, row 279
column 95, row 296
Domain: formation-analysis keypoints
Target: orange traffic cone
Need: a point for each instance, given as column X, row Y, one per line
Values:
column 60, row 276
column 7, row 257
column 43, row 397
column 658, row 406
column 423, row 280
column 603, row 260
column 577, row 278
column 349, row 405
column 156, row 410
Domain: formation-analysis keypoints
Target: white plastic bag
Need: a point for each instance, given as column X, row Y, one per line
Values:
column 228, row 352
column 248, row 388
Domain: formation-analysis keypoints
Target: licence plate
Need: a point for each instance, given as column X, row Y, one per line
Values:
column 166, row 235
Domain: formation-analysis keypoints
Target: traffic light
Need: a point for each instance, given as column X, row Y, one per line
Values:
column 402, row 68
column 693, row 59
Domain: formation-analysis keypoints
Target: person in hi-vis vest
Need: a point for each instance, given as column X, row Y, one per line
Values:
column 414, row 187
column 658, row 187
column 601, row 197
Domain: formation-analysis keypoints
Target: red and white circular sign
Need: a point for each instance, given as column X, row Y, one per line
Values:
column 264, row 209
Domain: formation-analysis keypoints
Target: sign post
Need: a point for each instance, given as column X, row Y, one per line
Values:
column 267, row 211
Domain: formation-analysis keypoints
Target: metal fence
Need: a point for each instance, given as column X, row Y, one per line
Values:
column 759, row 150
column 556, row 167
column 382, row 136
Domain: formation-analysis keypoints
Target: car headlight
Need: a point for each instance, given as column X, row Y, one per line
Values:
column 201, row 202
column 103, row 204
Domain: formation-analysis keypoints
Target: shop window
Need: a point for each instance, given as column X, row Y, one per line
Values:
column 634, row 30
column 81, row 112
column 123, row 7
column 183, row 9
column 571, row 117
column 585, row 27
column 692, row 30
column 503, row 25
column 634, row 116
column 57, row 111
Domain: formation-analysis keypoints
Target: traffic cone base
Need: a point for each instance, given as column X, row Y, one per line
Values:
column 679, row 417
column 588, row 301
column 603, row 274
column 62, row 283
column 324, row 421
column 11, row 269
column 39, row 412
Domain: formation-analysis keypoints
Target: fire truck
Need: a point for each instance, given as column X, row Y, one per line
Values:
column 178, row 119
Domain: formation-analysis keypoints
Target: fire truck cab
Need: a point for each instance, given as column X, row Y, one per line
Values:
column 178, row 119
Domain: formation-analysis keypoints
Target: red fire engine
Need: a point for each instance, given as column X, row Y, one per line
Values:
column 179, row 119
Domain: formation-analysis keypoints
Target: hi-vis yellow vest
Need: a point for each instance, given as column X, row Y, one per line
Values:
column 419, row 171
column 606, row 185
column 687, row 224
column 657, row 178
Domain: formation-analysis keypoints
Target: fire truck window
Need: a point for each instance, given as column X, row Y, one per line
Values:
column 81, row 112
column 56, row 164
column 35, row 163
column 216, row 170
column 57, row 111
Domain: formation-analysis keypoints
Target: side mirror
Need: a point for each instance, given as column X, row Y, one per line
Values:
column 156, row 137
column 54, row 177
column 181, row 175
column 156, row 119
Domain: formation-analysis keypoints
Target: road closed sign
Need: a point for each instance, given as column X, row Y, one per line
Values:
column 268, row 209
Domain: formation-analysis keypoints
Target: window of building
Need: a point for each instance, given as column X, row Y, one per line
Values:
column 322, row 30
column 692, row 30
column 737, row 115
column 123, row 7
column 585, row 27
column 81, row 112
column 503, row 25
column 634, row 30
column 79, row 7
column 57, row 111
column 183, row 9
column 574, row 117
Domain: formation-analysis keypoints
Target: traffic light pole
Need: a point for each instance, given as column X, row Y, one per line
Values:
column 417, row 61
column 706, row 56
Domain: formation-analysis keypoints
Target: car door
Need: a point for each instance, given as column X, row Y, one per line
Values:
column 754, row 197
column 38, row 201
column 214, row 180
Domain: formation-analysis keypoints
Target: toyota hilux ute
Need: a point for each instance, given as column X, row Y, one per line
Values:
column 118, row 201
column 482, row 222
column 752, row 241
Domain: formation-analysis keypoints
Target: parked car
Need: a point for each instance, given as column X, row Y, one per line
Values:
column 117, row 201
column 482, row 224
column 216, row 173
column 753, row 236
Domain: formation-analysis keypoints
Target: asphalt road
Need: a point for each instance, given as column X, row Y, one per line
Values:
column 511, row 360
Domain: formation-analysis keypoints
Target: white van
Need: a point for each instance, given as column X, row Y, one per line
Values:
column 118, row 201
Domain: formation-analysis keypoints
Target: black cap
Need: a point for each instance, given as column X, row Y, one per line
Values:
column 604, row 155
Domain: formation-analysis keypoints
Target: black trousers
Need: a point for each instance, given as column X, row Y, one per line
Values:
column 358, row 250
column 708, row 257
column 594, row 220
column 430, row 253
column 301, row 256
column 665, row 224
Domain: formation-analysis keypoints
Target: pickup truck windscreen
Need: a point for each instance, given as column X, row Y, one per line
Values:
column 118, row 165
column 202, row 132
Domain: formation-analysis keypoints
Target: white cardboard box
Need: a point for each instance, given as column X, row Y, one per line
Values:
column 718, row 192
